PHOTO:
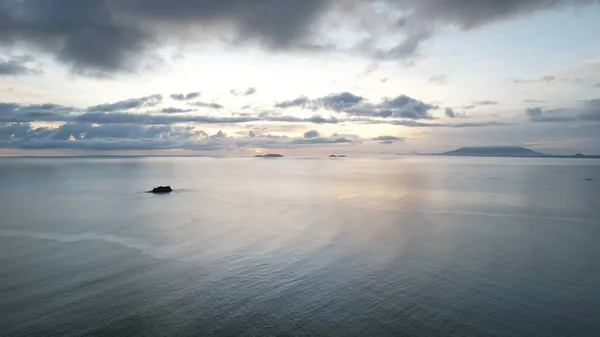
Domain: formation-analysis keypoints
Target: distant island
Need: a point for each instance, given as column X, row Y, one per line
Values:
column 269, row 155
column 338, row 156
column 505, row 151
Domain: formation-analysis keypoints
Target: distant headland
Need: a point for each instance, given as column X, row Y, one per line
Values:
column 505, row 151
column 269, row 155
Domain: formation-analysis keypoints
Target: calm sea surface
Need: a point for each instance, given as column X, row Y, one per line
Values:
column 412, row 246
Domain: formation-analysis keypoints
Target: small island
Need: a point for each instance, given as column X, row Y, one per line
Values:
column 161, row 190
column 269, row 155
column 338, row 156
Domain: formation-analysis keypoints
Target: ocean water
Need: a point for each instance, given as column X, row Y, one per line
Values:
column 410, row 246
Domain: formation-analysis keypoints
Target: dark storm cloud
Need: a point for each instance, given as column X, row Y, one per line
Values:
column 206, row 105
column 99, row 37
column 311, row 134
column 186, row 97
column 486, row 102
column 128, row 104
column 17, row 66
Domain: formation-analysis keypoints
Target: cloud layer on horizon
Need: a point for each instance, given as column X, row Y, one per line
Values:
column 143, row 123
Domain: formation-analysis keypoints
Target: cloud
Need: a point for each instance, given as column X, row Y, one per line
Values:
column 440, row 79
column 300, row 101
column 13, row 112
column 387, row 138
column 543, row 79
column 419, row 19
column 485, row 102
column 336, row 102
column 398, row 107
column 406, row 49
column 103, row 37
column 589, row 110
column 549, row 79
column 248, row 92
column 311, row 134
column 18, row 66
column 417, row 124
column 401, row 106
column 468, row 107
column 100, row 38
column 186, row 97
column 172, row 110
column 321, row 140
column 449, row 112
column 597, row 85
column 84, row 136
column 206, row 105
column 534, row 101
column 292, row 119
column 128, row 104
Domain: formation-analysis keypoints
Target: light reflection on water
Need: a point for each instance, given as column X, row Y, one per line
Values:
column 414, row 246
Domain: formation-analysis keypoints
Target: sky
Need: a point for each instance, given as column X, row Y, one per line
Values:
column 241, row 77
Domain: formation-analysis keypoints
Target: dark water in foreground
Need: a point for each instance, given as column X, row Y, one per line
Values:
column 412, row 246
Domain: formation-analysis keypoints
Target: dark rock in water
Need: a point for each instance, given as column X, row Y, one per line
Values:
column 338, row 156
column 161, row 190
column 270, row 155
column 333, row 156
column 589, row 179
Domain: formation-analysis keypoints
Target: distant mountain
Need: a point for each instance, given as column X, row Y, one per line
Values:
column 505, row 151
column 269, row 155
column 502, row 151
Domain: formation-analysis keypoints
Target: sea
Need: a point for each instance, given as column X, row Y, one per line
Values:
column 398, row 246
